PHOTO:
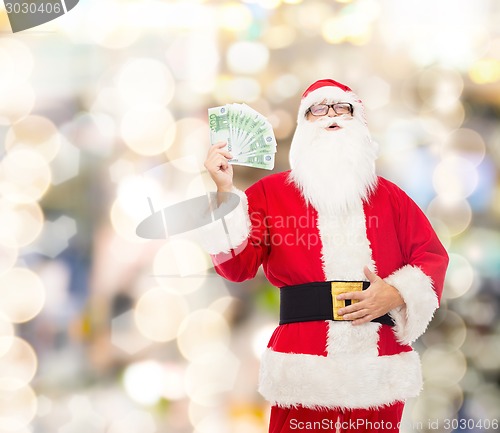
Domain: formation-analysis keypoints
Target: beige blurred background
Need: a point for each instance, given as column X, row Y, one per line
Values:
column 104, row 332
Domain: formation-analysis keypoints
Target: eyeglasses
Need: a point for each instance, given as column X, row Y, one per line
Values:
column 339, row 108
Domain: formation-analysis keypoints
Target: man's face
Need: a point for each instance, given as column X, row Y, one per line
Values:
column 332, row 155
column 324, row 110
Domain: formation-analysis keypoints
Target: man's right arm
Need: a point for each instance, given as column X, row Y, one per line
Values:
column 237, row 248
column 220, row 170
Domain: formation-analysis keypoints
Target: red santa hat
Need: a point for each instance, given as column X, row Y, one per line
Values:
column 329, row 91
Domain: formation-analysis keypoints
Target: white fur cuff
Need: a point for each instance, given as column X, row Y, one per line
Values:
column 339, row 381
column 230, row 226
column 421, row 301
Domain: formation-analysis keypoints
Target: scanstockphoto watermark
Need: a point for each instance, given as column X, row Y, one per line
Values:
column 309, row 221
column 25, row 14
column 363, row 425
column 302, row 230
column 458, row 424
column 327, row 424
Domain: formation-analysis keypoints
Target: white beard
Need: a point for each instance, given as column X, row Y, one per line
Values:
column 334, row 170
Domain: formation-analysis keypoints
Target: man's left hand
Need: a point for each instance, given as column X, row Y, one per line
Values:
column 378, row 299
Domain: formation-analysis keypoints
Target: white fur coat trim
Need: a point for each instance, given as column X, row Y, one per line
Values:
column 421, row 301
column 214, row 238
column 345, row 339
column 288, row 379
column 346, row 249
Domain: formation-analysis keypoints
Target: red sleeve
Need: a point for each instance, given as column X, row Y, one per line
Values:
column 242, row 262
column 420, row 280
column 419, row 243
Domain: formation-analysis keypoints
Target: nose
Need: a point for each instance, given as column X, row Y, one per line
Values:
column 331, row 112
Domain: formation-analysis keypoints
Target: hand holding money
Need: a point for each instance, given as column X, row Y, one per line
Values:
column 248, row 134
column 219, row 168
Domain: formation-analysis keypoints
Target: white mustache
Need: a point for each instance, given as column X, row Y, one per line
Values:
column 329, row 121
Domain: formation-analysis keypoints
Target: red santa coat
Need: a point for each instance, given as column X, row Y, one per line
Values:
column 326, row 363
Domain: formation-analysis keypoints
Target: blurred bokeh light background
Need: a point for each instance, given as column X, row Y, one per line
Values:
column 104, row 332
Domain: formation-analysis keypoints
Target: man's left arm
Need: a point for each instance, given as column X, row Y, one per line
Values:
column 410, row 294
column 420, row 281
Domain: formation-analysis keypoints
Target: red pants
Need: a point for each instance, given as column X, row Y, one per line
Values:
column 302, row 420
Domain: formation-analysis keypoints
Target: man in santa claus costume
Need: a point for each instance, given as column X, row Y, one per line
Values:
column 359, row 268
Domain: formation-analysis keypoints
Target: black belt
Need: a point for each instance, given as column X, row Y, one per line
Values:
column 318, row 301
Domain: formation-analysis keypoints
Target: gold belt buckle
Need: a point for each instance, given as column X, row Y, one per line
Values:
column 339, row 287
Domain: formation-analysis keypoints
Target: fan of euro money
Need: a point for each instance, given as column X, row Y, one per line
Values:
column 248, row 134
